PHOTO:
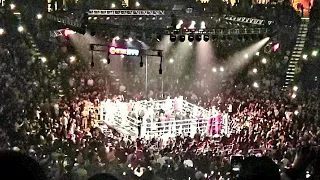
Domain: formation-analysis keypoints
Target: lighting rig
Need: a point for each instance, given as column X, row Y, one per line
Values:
column 117, row 51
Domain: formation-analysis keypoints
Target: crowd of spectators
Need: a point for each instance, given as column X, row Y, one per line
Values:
column 61, row 133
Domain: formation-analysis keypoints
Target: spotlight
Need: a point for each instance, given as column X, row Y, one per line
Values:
column 214, row 70
column 39, row 16
column 257, row 53
column 117, row 38
column 191, row 38
column 171, row 61
column 314, row 53
column 255, row 70
column 264, row 61
column 130, row 39
column 295, row 88
column 293, row 95
column 182, row 38
column 192, row 25
column 67, row 33
column 20, row 29
column 178, row 26
column 2, row 31
column 173, row 38
column 255, row 84
column 203, row 25
column 246, row 56
column 206, row 38
column 305, row 56
column 72, row 59
column 104, row 60
column 12, row 6
column 43, row 59
column 113, row 5
column 296, row 112
column 198, row 37
column 221, row 69
column 275, row 47
column 137, row 4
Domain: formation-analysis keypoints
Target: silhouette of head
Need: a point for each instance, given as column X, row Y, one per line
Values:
column 15, row 165
column 258, row 168
column 102, row 176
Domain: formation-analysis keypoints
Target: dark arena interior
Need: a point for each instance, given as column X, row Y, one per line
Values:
column 159, row 89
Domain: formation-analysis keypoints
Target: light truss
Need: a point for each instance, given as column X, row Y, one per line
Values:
column 248, row 20
column 238, row 31
column 71, row 22
column 99, row 12
column 56, row 33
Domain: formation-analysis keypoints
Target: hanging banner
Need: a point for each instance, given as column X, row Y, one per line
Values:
column 123, row 51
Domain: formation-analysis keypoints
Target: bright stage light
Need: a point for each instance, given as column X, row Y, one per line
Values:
column 68, row 32
column 305, row 56
column 2, row 31
column 72, row 59
column 20, row 29
column 203, row 25
column 137, row 4
column 122, row 56
column 192, row 25
column 264, row 61
column 43, row 59
column 257, row 53
column 179, row 24
column 104, row 60
column 221, row 69
column 246, row 56
column 39, row 16
column 214, row 70
column 12, row 6
column 276, row 47
column 295, row 88
column 117, row 38
column 255, row 70
column 314, row 53
column 113, row 5
column 255, row 84
column 130, row 39
column 171, row 61
column 296, row 112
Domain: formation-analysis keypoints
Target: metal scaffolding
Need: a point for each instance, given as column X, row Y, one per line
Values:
column 238, row 31
column 99, row 12
column 248, row 20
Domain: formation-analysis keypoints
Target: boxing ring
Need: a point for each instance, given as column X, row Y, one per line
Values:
column 143, row 118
